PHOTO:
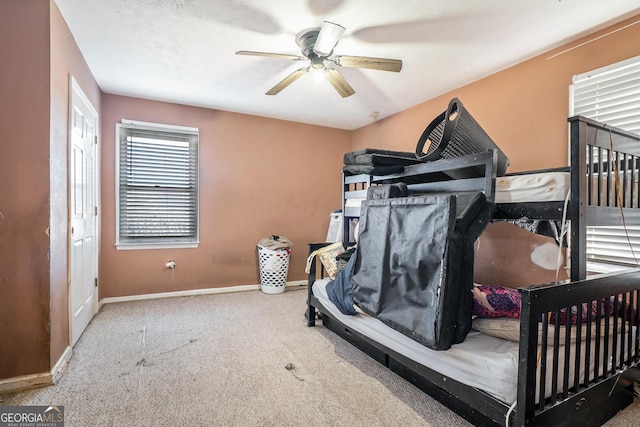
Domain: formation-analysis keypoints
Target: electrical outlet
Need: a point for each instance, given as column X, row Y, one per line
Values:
column 170, row 264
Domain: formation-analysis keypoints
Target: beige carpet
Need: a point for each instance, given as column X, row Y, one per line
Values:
column 241, row 359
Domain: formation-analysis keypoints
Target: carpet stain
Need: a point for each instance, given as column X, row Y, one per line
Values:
column 144, row 362
column 292, row 368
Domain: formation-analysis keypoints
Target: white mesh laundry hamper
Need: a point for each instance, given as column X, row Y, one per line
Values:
column 274, row 266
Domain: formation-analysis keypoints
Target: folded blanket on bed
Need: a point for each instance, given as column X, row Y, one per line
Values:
column 372, row 161
column 375, row 156
column 372, row 169
column 491, row 301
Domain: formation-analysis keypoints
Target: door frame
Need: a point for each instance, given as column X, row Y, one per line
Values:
column 74, row 86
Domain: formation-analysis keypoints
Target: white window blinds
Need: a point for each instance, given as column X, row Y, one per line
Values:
column 157, row 185
column 610, row 95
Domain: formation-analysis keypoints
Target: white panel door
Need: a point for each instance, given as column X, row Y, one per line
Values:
column 83, row 179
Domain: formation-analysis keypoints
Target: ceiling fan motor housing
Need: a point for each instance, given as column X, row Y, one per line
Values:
column 306, row 39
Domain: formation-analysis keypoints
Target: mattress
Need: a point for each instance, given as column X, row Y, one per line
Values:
column 538, row 187
column 480, row 361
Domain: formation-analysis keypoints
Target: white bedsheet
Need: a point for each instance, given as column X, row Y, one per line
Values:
column 480, row 361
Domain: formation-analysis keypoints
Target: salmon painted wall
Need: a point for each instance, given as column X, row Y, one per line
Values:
column 66, row 61
column 39, row 54
column 258, row 177
column 24, row 193
column 523, row 108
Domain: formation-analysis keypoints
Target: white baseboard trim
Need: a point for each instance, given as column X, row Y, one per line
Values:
column 195, row 292
column 57, row 369
column 24, row 382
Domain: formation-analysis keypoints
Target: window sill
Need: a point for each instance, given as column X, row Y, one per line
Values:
column 164, row 245
column 601, row 267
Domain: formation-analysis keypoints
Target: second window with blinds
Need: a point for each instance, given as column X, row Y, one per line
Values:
column 156, row 186
column 610, row 95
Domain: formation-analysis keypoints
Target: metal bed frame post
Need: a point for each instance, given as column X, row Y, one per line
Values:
column 310, row 313
column 578, row 201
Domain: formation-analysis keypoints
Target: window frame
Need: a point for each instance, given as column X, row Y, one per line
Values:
column 611, row 95
column 166, row 242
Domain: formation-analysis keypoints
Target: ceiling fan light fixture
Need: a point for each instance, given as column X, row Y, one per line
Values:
column 327, row 38
column 318, row 74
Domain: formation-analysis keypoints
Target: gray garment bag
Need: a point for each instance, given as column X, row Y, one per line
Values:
column 402, row 276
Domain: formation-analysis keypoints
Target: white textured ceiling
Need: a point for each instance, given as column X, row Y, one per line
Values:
column 183, row 51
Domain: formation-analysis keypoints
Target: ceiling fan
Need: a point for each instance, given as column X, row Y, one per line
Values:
column 317, row 46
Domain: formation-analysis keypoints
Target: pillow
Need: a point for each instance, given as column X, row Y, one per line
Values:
column 496, row 301
column 509, row 329
column 505, row 328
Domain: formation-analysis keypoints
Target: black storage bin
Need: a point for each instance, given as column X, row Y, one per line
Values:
column 455, row 133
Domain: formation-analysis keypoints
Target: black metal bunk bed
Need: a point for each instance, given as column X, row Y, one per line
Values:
column 599, row 154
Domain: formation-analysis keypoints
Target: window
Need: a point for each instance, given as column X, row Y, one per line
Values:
column 610, row 95
column 156, row 186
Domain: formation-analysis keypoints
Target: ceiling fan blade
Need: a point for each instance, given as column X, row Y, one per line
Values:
column 270, row 54
column 383, row 64
column 287, row 81
column 327, row 38
column 339, row 83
